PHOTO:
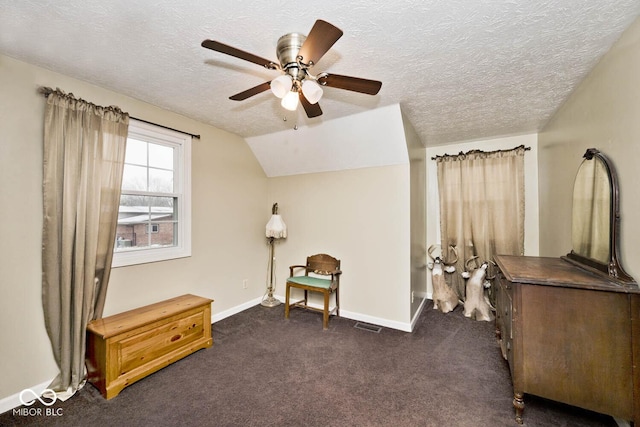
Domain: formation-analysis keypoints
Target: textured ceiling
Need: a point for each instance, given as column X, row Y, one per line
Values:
column 460, row 69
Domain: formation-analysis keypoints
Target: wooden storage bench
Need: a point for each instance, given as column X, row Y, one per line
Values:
column 126, row 347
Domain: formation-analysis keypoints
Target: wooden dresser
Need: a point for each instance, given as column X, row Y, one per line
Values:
column 569, row 335
column 126, row 347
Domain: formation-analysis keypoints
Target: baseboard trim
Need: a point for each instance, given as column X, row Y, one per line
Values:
column 11, row 402
column 401, row 326
column 416, row 316
column 216, row 317
column 406, row 327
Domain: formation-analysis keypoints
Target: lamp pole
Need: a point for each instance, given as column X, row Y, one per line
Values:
column 275, row 229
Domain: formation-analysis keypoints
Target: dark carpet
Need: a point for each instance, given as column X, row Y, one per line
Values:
column 264, row 370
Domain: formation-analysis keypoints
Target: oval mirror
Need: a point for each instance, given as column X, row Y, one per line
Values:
column 591, row 234
column 596, row 217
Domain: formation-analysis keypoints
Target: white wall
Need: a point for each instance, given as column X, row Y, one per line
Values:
column 229, row 194
column 418, row 211
column 604, row 113
column 531, row 242
column 361, row 217
column 368, row 139
column 25, row 351
column 343, row 188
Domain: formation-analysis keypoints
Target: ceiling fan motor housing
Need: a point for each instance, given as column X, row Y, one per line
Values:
column 287, row 50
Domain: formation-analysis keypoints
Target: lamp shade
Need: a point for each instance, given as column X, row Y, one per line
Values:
column 281, row 85
column 290, row 101
column 312, row 91
column 276, row 227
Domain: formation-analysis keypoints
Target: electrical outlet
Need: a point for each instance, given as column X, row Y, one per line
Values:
column 244, row 284
column 412, row 296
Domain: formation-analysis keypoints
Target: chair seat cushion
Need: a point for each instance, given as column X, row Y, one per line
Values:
column 310, row 281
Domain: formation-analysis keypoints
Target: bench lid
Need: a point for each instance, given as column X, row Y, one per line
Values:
column 132, row 319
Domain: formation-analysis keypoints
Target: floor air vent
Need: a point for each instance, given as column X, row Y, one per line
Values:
column 367, row 327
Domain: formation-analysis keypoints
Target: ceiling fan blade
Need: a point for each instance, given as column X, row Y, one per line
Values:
column 356, row 84
column 320, row 39
column 312, row 110
column 229, row 50
column 250, row 92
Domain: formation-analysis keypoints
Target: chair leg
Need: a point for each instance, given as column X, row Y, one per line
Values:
column 337, row 301
column 286, row 302
column 325, row 314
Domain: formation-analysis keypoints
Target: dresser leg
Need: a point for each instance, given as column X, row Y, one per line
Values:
column 518, row 404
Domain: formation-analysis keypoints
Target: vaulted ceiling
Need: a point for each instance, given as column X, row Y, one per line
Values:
column 460, row 69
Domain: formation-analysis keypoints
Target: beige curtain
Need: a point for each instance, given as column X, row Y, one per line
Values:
column 481, row 206
column 84, row 149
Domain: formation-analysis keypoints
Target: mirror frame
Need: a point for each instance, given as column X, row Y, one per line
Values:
column 613, row 268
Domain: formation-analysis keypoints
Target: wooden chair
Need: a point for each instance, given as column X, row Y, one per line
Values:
column 322, row 265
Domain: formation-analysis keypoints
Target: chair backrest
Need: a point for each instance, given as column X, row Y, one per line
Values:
column 322, row 264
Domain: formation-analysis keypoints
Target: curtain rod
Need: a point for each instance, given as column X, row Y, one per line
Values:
column 481, row 151
column 46, row 91
column 166, row 127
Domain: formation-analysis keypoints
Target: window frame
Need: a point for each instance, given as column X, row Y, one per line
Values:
column 182, row 181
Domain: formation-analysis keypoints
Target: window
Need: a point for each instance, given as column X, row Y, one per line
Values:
column 154, row 218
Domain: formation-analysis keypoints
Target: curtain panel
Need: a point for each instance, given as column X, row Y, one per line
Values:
column 481, row 206
column 84, row 149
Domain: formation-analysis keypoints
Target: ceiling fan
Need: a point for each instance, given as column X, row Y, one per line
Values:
column 297, row 54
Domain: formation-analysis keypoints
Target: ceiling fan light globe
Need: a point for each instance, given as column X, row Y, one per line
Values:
column 312, row 91
column 290, row 101
column 281, row 85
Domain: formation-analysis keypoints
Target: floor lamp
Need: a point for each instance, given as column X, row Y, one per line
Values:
column 276, row 229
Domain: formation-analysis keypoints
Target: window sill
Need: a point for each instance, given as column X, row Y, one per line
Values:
column 144, row 256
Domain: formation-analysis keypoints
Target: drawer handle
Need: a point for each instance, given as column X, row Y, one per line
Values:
column 175, row 338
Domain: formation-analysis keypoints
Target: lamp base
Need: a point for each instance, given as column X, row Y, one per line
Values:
column 270, row 301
